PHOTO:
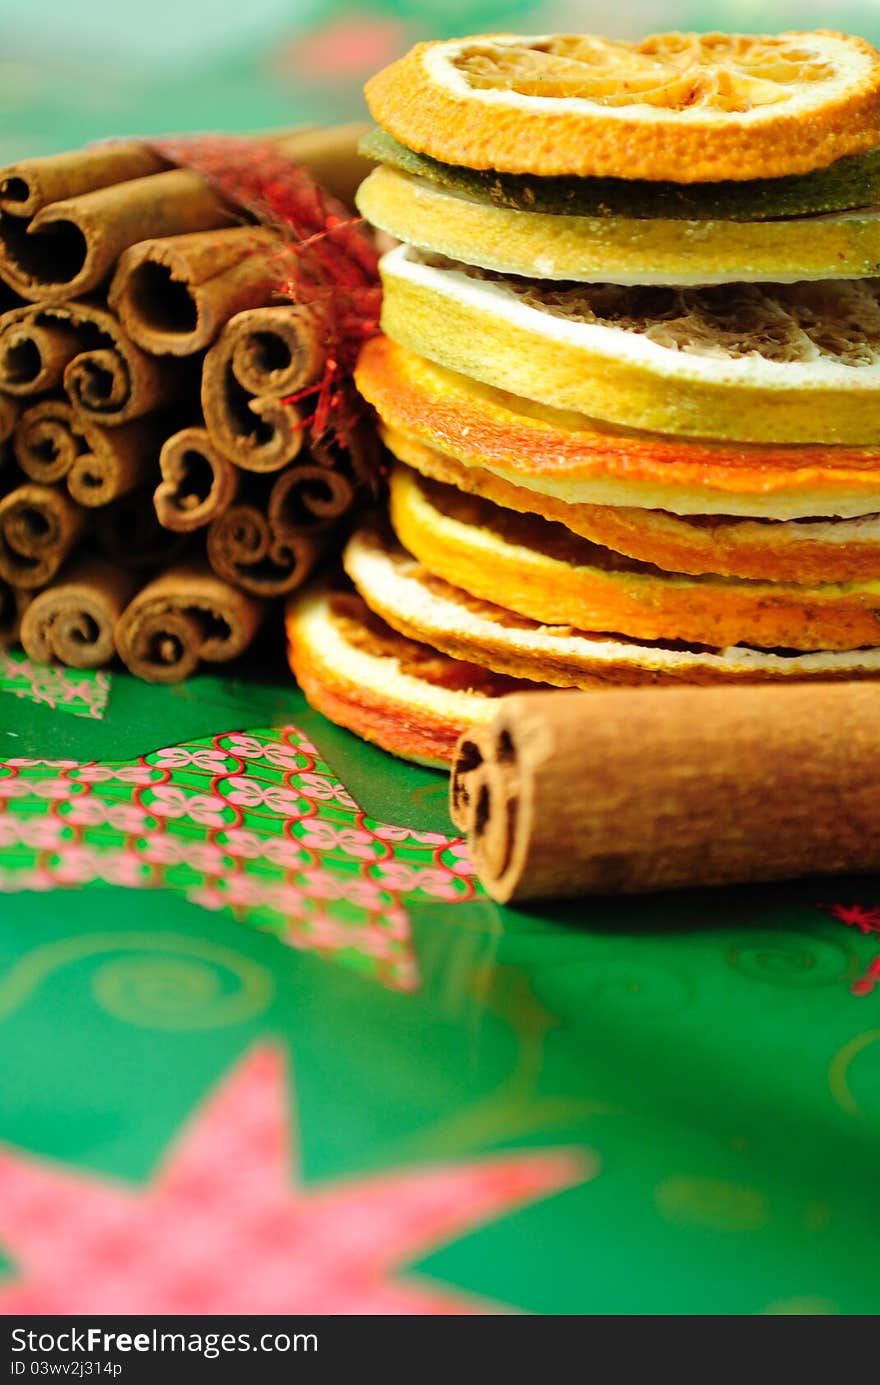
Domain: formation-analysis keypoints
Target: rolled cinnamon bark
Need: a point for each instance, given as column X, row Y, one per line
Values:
column 260, row 358
column 632, row 790
column 106, row 377
column 29, row 185
column 174, row 295
column 99, row 464
column 45, row 443
column 186, row 615
column 198, row 481
column 69, row 248
column 39, row 526
column 308, row 499
column 73, row 620
column 243, row 548
column 34, row 352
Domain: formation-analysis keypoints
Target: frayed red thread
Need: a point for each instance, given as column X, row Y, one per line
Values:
column 866, row 921
column 325, row 262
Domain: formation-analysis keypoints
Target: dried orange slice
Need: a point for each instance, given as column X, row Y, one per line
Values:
column 426, row 608
column 394, row 691
column 578, row 460
column 750, row 362
column 679, row 107
column 620, row 250
column 802, row 551
column 543, row 571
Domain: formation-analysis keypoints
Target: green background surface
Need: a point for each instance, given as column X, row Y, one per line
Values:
column 708, row 1047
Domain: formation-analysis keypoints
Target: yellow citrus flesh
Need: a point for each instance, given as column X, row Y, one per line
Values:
column 674, row 107
column 542, row 571
column 785, row 364
column 428, row 609
column 620, row 250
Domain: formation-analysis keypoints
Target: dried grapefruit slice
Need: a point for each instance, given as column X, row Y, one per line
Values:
column 394, row 691
column 751, row 362
column 426, row 608
column 578, row 460
column 620, row 250
column 802, row 551
column 541, row 570
column 679, row 107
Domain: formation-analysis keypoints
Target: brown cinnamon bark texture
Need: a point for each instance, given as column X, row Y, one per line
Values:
column 186, row 615
column 45, row 442
column 244, row 548
column 28, row 186
column 174, row 295
column 98, row 464
column 70, row 248
column 626, row 791
column 198, row 481
column 73, row 620
column 260, row 358
column 39, row 526
column 84, row 348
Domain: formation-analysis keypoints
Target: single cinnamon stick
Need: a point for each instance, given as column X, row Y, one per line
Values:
column 34, row 352
column 186, row 615
column 198, row 481
column 331, row 156
column 69, row 248
column 260, row 358
column 99, row 464
column 31, row 184
column 45, row 443
column 243, row 548
column 106, row 377
column 633, row 790
column 39, row 526
column 308, row 499
column 73, row 620
column 174, row 295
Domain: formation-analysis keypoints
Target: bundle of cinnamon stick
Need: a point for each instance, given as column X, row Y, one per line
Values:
column 176, row 443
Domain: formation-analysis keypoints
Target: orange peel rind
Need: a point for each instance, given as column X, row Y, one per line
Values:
column 674, row 107
column 411, row 700
column 578, row 460
column 776, row 551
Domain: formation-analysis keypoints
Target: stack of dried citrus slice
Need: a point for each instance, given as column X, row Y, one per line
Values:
column 630, row 374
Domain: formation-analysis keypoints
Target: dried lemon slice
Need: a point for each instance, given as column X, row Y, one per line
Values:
column 426, row 608
column 573, row 458
column 754, row 363
column 394, row 691
column 543, row 571
column 678, row 107
column 811, row 551
column 620, row 250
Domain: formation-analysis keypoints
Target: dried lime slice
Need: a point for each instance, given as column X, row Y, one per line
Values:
column 850, row 182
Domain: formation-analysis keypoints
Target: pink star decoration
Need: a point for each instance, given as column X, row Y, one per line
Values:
column 224, row 1228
